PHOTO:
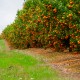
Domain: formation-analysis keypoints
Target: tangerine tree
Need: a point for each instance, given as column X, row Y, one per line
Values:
column 46, row 23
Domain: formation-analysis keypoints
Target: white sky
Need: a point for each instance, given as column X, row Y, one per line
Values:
column 8, row 10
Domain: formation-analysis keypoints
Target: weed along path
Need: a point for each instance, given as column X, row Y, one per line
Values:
column 37, row 64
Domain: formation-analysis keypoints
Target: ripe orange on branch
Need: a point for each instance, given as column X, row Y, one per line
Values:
column 70, row 7
column 71, row 2
column 70, row 15
column 54, row 10
column 79, row 42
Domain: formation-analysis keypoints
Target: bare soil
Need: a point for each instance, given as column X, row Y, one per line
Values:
column 67, row 63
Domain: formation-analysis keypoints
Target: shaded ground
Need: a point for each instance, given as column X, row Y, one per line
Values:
column 67, row 63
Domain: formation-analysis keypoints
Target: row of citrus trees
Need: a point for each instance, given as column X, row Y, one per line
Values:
column 46, row 23
column 0, row 37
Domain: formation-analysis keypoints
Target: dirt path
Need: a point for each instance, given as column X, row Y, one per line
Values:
column 68, row 64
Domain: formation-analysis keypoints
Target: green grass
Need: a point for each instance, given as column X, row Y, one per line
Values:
column 14, row 65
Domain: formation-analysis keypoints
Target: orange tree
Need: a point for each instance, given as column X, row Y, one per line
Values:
column 46, row 23
column 0, row 36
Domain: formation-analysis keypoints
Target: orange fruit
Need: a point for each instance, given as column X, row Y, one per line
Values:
column 55, row 10
column 71, row 2
column 70, row 15
column 78, row 12
column 66, row 37
column 69, row 7
column 78, row 42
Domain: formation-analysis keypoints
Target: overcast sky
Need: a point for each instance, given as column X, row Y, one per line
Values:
column 8, row 10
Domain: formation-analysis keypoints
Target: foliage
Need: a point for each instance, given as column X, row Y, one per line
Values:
column 0, row 37
column 46, row 23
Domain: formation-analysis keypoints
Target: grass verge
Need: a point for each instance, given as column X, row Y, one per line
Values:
column 17, row 66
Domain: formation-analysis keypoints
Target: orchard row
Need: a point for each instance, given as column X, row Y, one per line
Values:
column 46, row 23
